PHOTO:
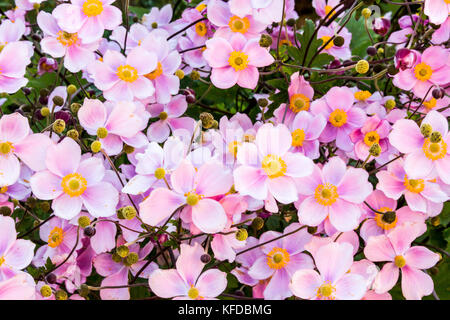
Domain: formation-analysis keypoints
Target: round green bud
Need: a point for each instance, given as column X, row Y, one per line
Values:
column 129, row 212
column 45, row 112
column 120, row 214
column 380, row 51
column 102, row 133
column 122, row 251
column 154, row 25
column 375, row 150
column 74, row 107
column 5, row 211
column 163, row 115
column 215, row 124
column 59, row 125
column 116, row 258
column 338, row 41
column 61, row 295
column 435, row 221
column 207, row 119
column 366, row 13
column 96, row 146
column 265, row 41
column 435, row 137
column 426, row 130
column 84, row 290
column 46, row 291
column 389, row 216
column 84, row 221
column 44, row 92
column 180, row 74
column 312, row 230
column 390, row 104
column 362, row 66
column 71, row 89
column 290, row 22
column 263, row 102
column 242, row 234
column 58, row 101
column 195, row 75
column 258, row 223
column 131, row 259
column 45, row 206
column 36, row 6
column 72, row 133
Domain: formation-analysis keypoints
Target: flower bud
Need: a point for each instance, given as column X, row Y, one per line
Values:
column 388, row 216
column 58, row 101
column 5, row 211
column 362, row 66
column 390, row 104
column 375, row 150
column 405, row 58
column 102, row 133
column 338, row 41
column 122, row 251
column 51, row 278
column 312, row 230
column 128, row 149
column 258, row 223
column 129, row 212
column 58, row 126
column 180, row 74
column 205, row 258
column 206, row 119
column 290, row 22
column 426, row 129
column 435, row 137
column 131, row 259
column 116, row 258
column 96, row 146
column 242, row 234
column 45, row 206
column 84, row 221
column 366, row 13
column 74, row 107
column 72, row 133
column 381, row 26
column 46, row 291
column 371, row 51
column 265, row 41
column 71, row 89
column 89, row 232
column 195, row 75
column 435, row 221
column 263, row 102
column 84, row 290
column 61, row 295
column 45, row 112
column 437, row 93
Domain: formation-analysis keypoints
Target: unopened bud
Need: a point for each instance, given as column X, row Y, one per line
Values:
column 242, row 234
column 426, row 130
column 258, row 223
column 58, row 101
column 435, row 137
column 84, row 221
column 375, row 150
column 362, row 66
column 59, row 125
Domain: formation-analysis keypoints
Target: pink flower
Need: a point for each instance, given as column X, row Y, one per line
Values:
column 300, row 95
column 373, row 131
column 220, row 15
column 281, row 259
column 235, row 61
column 442, row 34
column 324, row 7
column 334, row 192
column 11, row 31
column 187, row 281
column 246, row 261
column 59, row 43
column 437, row 10
column 332, row 282
column 194, row 189
column 266, row 11
column 376, row 223
column 89, row 18
column 123, row 78
column 268, row 168
column 305, row 130
column 343, row 117
column 424, row 158
column 169, row 119
column 14, row 59
column 72, row 183
column 421, row 195
column 162, row 76
column 158, row 18
column 17, row 288
column 15, row 254
column 430, row 69
column 111, row 122
column 325, row 33
column 17, row 142
column 395, row 248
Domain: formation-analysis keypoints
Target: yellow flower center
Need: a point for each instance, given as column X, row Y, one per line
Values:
column 200, row 29
column 163, row 115
column 362, row 95
column 423, row 71
column 273, row 166
column 193, row 293
column 74, row 184
column 238, row 60
column 371, row 137
column 2, row 260
column 233, row 147
column 298, row 137
column 200, row 7
column 92, row 8
column 414, row 185
column 127, row 73
column 155, row 73
column 67, row 39
column 326, row 291
column 338, row 118
column 55, row 237
column 328, row 9
column 248, row 137
column 325, row 40
column 277, row 258
column 4, row 189
column 192, row 198
column 299, row 102
column 326, row 194
column 400, row 261
column 379, row 219
column 430, row 104
column 6, row 147
column 239, row 24
column 434, row 150
column 160, row 173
